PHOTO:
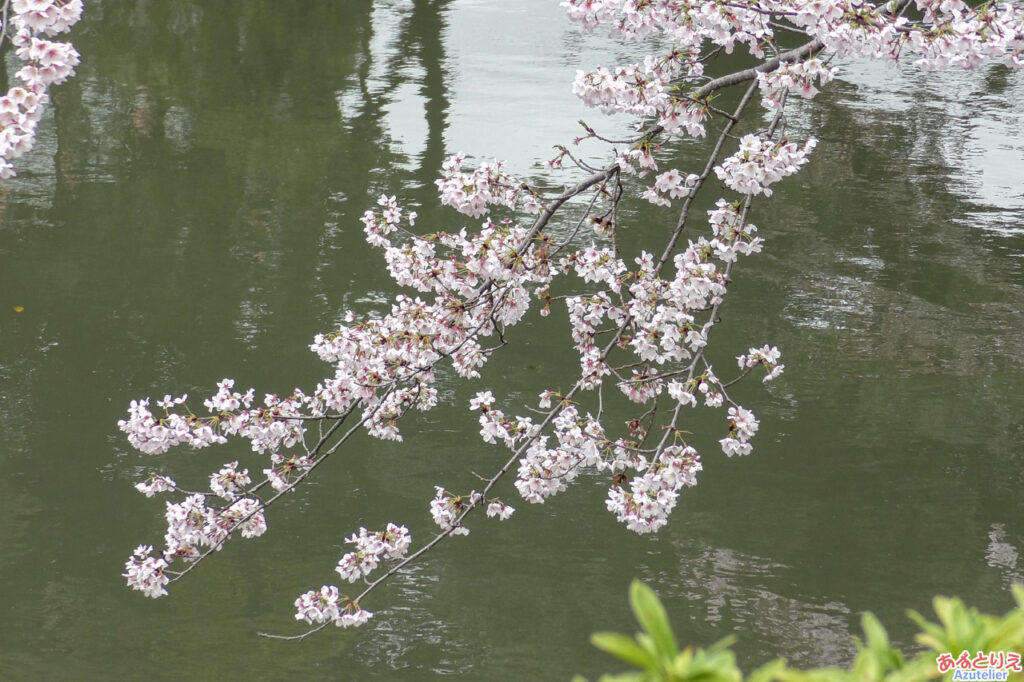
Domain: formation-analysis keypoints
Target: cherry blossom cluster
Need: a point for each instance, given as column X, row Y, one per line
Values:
column 673, row 183
column 268, row 428
column 686, row 25
column 385, row 366
column 652, row 496
column 46, row 63
column 326, row 605
column 480, row 281
column 651, row 91
column 284, row 471
column 246, row 515
column 683, row 392
column 545, row 471
column 659, row 316
column 684, row 115
column 951, row 33
column 488, row 184
column 460, row 264
column 643, row 386
column 659, row 313
column 193, row 526
column 628, row 90
column 623, row 90
column 759, row 163
column 447, row 510
column 581, row 443
column 145, row 573
column 596, row 265
column 638, row 160
column 648, row 91
column 229, row 482
column 966, row 37
column 732, row 237
column 156, row 435
column 499, row 509
column 709, row 387
column 767, row 357
column 377, row 226
column 742, row 427
column 370, row 547
column 795, row 77
column 156, row 484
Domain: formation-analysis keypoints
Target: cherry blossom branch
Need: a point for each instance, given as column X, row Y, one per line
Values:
column 476, row 499
column 46, row 63
column 385, row 366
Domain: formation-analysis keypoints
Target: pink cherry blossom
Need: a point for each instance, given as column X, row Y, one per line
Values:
column 642, row 326
column 146, row 573
column 45, row 63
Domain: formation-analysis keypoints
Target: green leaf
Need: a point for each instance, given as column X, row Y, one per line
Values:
column 932, row 636
column 645, row 641
column 877, row 637
column 679, row 667
column 876, row 658
column 768, row 672
column 1007, row 633
column 652, row 617
column 960, row 628
column 716, row 667
column 623, row 647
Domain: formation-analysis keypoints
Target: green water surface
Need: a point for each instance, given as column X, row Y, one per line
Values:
column 190, row 213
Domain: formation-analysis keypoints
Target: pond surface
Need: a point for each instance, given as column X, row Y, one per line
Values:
column 191, row 213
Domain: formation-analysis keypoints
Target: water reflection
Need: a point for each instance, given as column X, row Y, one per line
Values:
column 911, row 302
column 401, row 81
column 748, row 595
column 174, row 202
column 413, row 635
column 273, row 167
column 1003, row 556
column 968, row 123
